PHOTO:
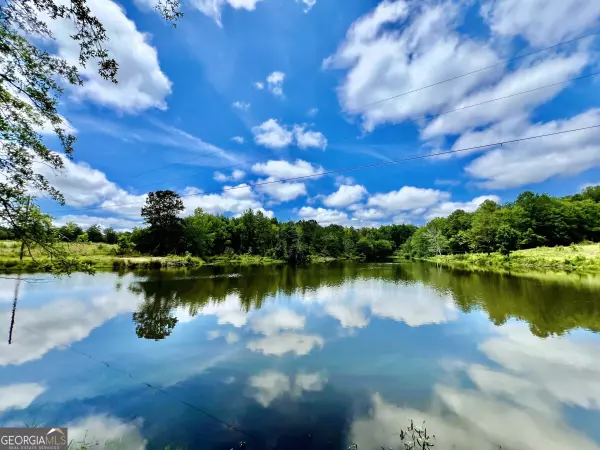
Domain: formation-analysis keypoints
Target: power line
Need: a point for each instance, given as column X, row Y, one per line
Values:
column 148, row 385
column 394, row 97
column 360, row 167
column 480, row 70
column 425, row 117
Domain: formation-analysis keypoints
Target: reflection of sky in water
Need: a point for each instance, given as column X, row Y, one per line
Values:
column 349, row 362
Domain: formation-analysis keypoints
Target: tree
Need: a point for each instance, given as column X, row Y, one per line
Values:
column 154, row 321
column 508, row 239
column 484, row 227
column 31, row 82
column 161, row 213
column 196, row 231
column 110, row 235
column 95, row 234
column 70, row 231
column 438, row 243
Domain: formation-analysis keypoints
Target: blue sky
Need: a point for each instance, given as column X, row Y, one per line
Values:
column 248, row 91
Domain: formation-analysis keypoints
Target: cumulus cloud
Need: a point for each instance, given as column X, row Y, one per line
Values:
column 283, row 169
column 236, row 175
column 345, row 196
column 259, row 85
column 380, row 56
column 444, row 209
column 351, row 303
column 281, row 191
column 306, row 138
column 236, row 200
column 243, row 106
column 19, row 396
column 228, row 312
column 280, row 319
column 275, row 83
column 407, row 198
column 272, row 135
column 81, row 185
column 540, row 22
column 238, row 139
column 142, row 84
column 85, row 221
column 535, row 160
column 541, row 73
column 324, row 216
column 269, row 385
column 280, row 344
column 105, row 428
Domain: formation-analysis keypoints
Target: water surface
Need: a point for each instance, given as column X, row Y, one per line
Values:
column 312, row 358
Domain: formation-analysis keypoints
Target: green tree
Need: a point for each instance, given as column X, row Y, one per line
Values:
column 70, row 231
column 110, row 235
column 95, row 234
column 31, row 82
column 508, row 239
column 161, row 213
column 197, row 233
column 484, row 227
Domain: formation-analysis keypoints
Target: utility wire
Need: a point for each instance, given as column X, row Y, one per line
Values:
column 500, row 63
column 148, row 385
column 425, row 117
column 360, row 167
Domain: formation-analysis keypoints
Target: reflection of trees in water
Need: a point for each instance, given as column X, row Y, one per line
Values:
column 551, row 306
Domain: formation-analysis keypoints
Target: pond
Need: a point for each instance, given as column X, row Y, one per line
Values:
column 310, row 358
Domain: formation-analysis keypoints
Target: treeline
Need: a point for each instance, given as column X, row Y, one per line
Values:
column 253, row 233
column 532, row 220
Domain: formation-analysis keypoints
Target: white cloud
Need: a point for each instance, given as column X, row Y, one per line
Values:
column 381, row 56
column 345, row 196
column 236, row 201
column 85, row 221
column 308, row 4
column 259, row 85
column 324, row 216
column 230, row 337
column 349, row 304
column 107, row 430
column 280, row 344
column 444, row 209
column 283, row 169
column 312, row 112
column 535, row 160
column 212, row 8
column 274, row 322
column 275, row 83
column 342, row 179
column 238, row 139
column 269, row 385
column 272, row 135
column 142, row 84
column 236, row 175
column 228, row 312
column 243, row 106
column 81, row 185
column 280, row 191
column 407, row 198
column 362, row 213
column 541, row 73
column 306, row 138
column 19, row 396
column 541, row 22
column 61, row 322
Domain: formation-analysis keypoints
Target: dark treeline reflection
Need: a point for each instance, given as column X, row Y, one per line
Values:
column 551, row 304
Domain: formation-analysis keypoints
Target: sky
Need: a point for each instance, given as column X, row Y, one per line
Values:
column 246, row 92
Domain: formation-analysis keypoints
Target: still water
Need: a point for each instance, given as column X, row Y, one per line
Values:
column 314, row 358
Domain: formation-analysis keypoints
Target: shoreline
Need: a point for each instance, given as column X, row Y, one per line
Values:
column 573, row 259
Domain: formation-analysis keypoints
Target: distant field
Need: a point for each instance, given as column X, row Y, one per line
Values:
column 574, row 258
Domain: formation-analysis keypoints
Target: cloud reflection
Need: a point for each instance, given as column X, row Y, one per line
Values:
column 269, row 385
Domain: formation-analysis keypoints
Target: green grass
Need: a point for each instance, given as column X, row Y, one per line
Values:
column 580, row 258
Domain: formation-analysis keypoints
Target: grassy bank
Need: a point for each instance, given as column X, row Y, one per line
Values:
column 581, row 258
column 103, row 256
